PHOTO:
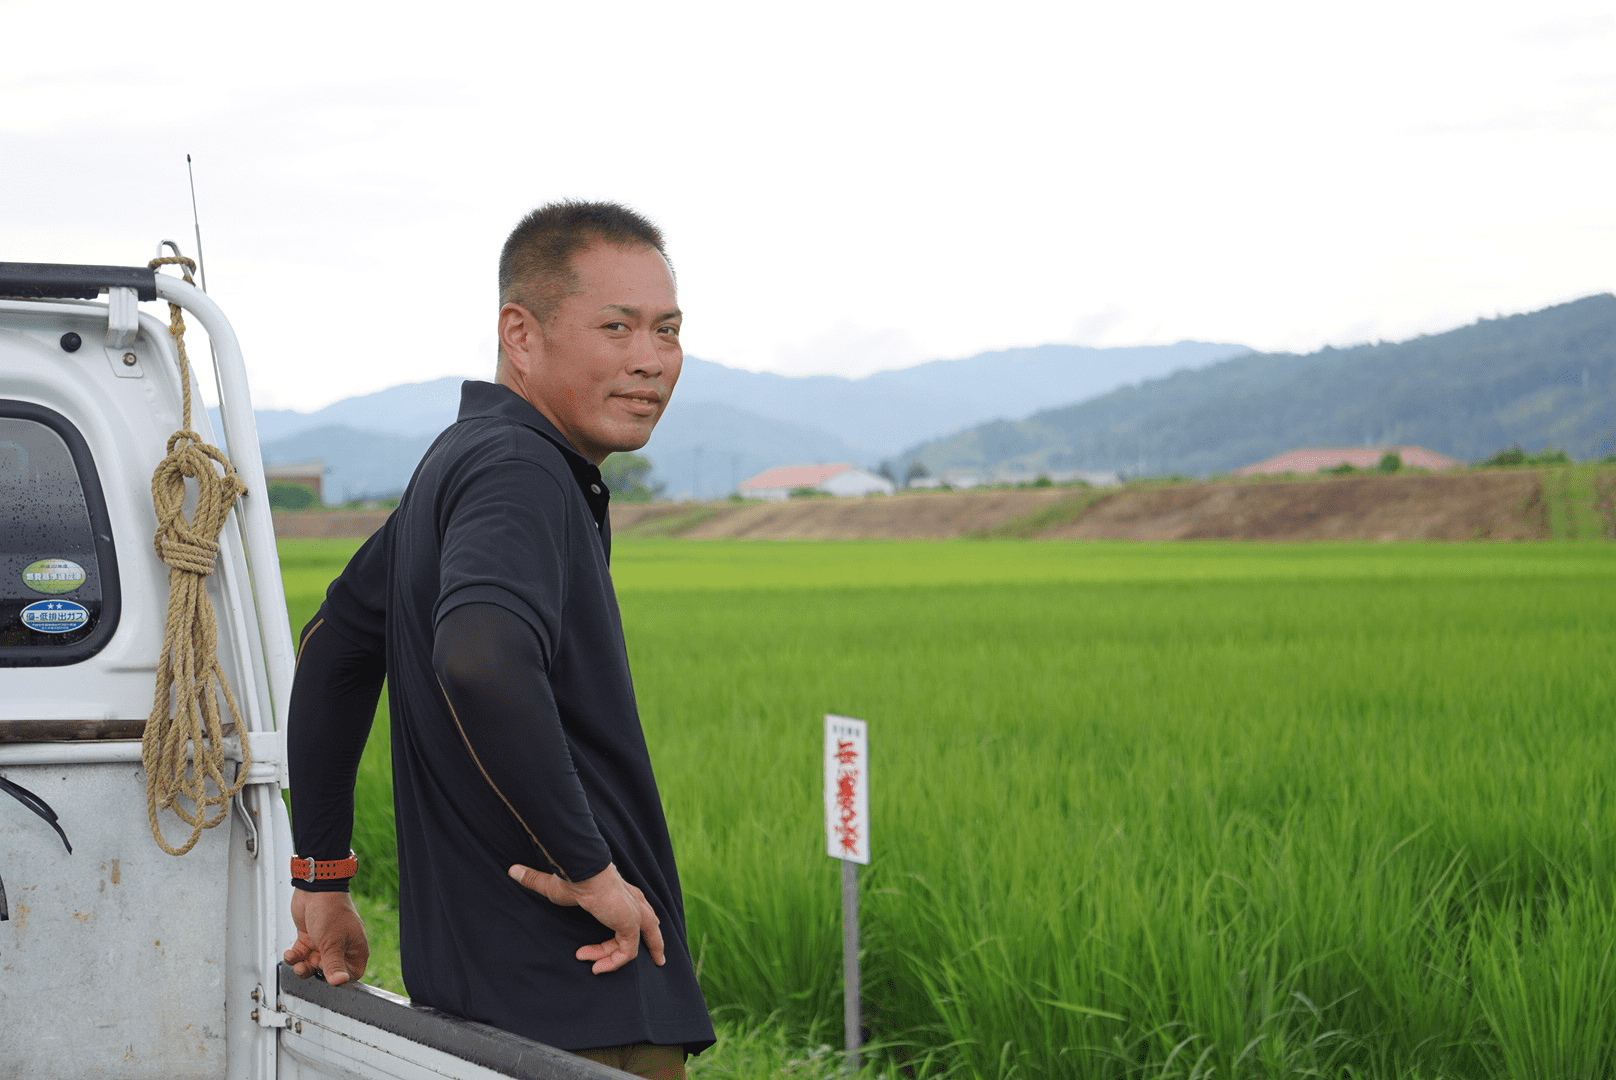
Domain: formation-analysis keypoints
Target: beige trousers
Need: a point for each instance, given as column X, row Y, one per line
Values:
column 642, row 1059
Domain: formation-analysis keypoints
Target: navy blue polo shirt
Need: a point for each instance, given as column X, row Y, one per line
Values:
column 502, row 511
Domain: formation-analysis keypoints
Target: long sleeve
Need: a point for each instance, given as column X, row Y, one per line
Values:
column 491, row 667
column 333, row 702
column 341, row 664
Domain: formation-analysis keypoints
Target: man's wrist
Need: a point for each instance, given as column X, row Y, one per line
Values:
column 593, row 877
column 311, row 874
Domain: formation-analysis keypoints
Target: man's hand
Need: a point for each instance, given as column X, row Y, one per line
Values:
column 330, row 937
column 616, row 904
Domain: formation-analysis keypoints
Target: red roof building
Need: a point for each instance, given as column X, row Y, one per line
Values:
column 839, row 479
column 1316, row 459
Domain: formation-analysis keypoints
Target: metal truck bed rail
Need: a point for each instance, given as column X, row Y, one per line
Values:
column 326, row 1023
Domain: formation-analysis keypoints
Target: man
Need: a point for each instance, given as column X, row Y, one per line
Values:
column 529, row 824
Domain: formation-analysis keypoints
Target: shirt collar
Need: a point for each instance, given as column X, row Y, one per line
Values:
column 485, row 399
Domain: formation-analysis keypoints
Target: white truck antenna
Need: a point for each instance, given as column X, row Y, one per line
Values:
column 201, row 264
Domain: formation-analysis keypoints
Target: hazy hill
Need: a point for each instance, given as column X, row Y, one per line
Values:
column 375, row 451
column 708, row 447
column 726, row 424
column 358, row 464
column 410, row 409
column 1542, row 379
column 890, row 410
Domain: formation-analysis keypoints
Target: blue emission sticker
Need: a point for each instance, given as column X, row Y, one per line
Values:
column 55, row 616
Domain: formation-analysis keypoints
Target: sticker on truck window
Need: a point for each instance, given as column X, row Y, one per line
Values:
column 53, row 575
column 55, row 616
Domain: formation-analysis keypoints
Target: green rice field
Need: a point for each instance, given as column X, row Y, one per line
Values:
column 1144, row 811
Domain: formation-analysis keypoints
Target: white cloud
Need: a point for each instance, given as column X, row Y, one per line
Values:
column 849, row 349
column 843, row 186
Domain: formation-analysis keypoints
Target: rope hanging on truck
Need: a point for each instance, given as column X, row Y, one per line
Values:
column 183, row 747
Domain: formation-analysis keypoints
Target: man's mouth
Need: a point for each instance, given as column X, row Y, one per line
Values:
column 641, row 402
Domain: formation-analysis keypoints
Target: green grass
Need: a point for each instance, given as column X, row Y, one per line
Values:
column 1572, row 493
column 676, row 522
column 1045, row 517
column 1139, row 810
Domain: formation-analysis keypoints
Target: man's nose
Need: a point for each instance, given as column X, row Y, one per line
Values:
column 645, row 358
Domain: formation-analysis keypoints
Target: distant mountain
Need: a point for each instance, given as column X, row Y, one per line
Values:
column 410, row 409
column 701, row 447
column 358, row 464
column 371, row 444
column 726, row 424
column 1542, row 379
column 890, row 410
column 708, row 448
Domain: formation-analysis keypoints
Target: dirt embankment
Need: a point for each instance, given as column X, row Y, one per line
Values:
column 1462, row 506
column 325, row 524
column 910, row 516
column 1467, row 506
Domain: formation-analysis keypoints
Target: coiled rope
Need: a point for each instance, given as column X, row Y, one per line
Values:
column 183, row 746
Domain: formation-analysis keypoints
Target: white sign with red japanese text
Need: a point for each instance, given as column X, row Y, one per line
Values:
column 847, row 789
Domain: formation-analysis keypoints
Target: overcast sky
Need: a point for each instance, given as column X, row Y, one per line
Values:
column 845, row 187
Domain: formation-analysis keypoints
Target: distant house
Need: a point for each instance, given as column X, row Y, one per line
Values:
column 1312, row 459
column 308, row 473
column 961, row 480
column 839, row 479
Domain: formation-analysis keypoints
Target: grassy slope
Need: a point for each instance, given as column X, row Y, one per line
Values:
column 1144, row 809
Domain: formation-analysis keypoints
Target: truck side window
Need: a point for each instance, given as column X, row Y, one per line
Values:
column 58, row 570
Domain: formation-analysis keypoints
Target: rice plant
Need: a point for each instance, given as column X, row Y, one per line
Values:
column 1142, row 810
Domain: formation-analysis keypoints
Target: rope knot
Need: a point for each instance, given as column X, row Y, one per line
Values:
column 193, row 557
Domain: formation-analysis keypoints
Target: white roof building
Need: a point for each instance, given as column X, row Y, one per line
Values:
column 839, row 479
column 310, row 473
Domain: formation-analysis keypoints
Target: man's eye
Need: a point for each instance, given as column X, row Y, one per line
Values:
column 668, row 331
column 616, row 326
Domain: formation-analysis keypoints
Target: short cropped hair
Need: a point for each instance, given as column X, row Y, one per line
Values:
column 535, row 267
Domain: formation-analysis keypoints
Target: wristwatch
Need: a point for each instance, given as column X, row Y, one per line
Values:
column 324, row 869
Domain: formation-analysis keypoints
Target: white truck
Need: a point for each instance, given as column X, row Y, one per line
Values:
column 117, row 959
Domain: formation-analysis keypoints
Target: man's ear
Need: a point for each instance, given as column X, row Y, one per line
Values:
column 521, row 340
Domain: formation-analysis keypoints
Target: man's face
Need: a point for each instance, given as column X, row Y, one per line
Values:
column 602, row 369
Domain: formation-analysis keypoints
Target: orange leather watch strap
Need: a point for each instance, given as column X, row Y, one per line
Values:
column 326, row 869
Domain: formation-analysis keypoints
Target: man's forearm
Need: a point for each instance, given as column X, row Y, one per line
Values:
column 491, row 669
column 333, row 702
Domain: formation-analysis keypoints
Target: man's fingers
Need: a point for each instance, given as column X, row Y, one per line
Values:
column 610, row 955
column 338, row 960
column 613, row 953
column 651, row 928
column 302, row 957
column 650, row 925
column 307, row 965
column 350, row 957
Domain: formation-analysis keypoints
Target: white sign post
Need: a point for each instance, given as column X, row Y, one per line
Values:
column 847, row 837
